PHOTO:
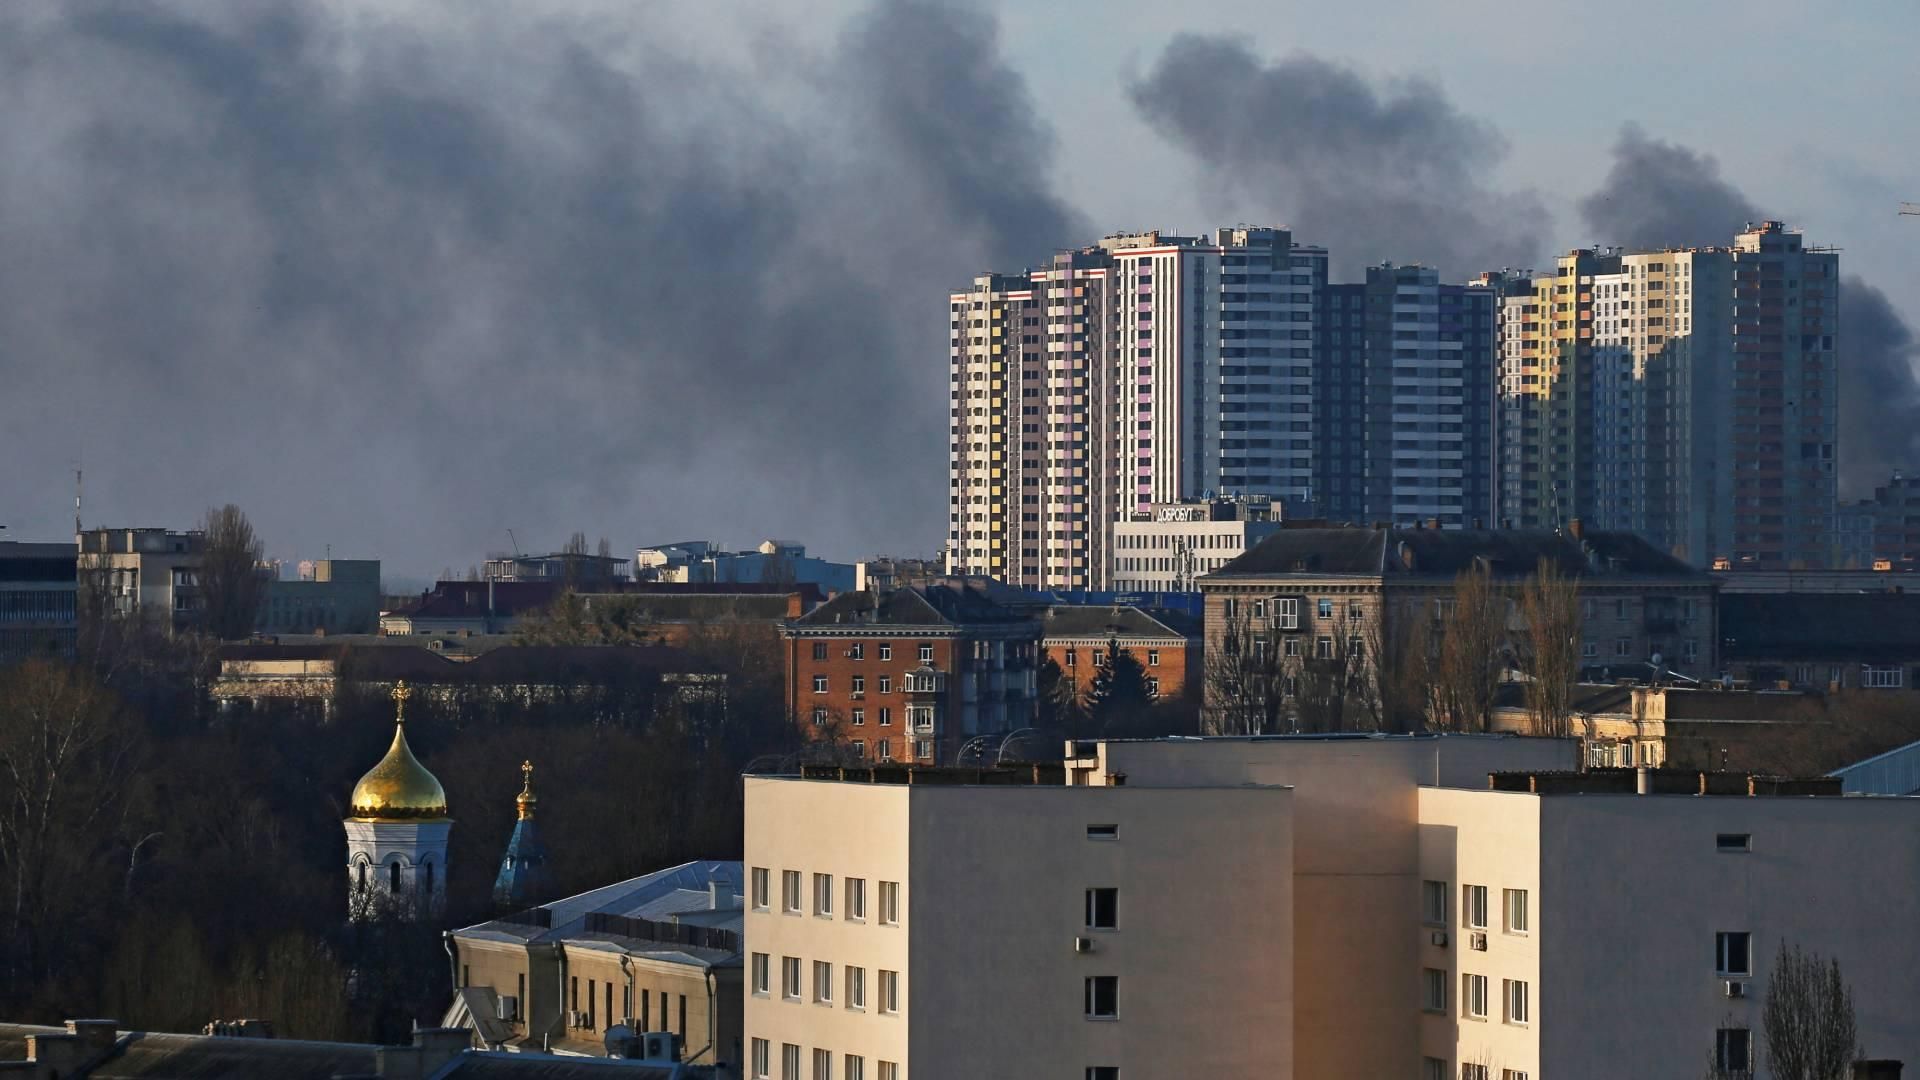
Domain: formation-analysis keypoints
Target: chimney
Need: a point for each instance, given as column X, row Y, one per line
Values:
column 719, row 894
column 1642, row 780
column 1433, row 523
column 1575, row 529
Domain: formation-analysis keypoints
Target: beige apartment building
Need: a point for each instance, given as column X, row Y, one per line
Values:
column 1437, row 906
column 955, row 929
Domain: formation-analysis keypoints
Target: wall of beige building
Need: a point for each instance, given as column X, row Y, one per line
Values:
column 1356, row 869
column 993, row 888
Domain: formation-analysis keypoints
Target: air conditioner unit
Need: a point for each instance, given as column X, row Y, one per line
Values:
column 1736, row 988
column 1440, row 938
column 1083, row 944
column 1477, row 941
column 660, row 1046
column 507, row 1008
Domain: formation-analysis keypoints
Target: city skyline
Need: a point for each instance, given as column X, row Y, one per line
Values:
column 469, row 325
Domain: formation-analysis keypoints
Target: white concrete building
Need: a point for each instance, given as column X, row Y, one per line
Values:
column 932, row 930
column 1165, row 549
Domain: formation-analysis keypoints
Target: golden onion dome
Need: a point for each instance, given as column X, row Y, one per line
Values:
column 399, row 788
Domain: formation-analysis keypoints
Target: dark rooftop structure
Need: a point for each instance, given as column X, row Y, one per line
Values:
column 1851, row 627
column 1444, row 553
column 1082, row 621
column 948, row 603
column 1661, row 782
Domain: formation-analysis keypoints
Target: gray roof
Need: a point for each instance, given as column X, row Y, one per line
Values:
column 949, row 603
column 678, row 894
column 1506, row 553
column 1848, row 627
column 1088, row 620
column 190, row 1057
column 1896, row 772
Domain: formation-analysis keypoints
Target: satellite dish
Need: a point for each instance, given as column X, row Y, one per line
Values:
column 621, row 1042
column 1656, row 659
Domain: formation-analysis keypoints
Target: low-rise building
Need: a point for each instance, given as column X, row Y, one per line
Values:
column 1683, row 727
column 38, row 596
column 1172, row 544
column 773, row 562
column 1166, row 643
column 1823, row 641
column 912, row 674
column 150, row 571
column 331, row 596
column 574, row 569
column 656, row 953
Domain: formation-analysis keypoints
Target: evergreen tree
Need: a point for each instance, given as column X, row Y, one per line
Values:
column 1059, row 699
column 1120, row 697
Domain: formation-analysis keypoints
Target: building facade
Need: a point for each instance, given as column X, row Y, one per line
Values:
column 1172, row 544
column 1148, row 369
column 332, row 596
column 1403, row 400
column 151, row 572
column 1167, row 645
column 38, row 598
column 912, row 674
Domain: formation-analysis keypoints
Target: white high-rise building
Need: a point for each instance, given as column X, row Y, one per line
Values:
column 1148, row 369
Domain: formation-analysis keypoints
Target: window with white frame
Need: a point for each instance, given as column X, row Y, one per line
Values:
column 762, row 1060
column 854, row 1067
column 823, row 895
column 790, row 978
column 1433, row 990
column 1515, row 903
column 822, row 1064
column 889, row 991
column 1433, row 903
column 857, row 651
column 1473, row 907
column 889, row 1071
column 819, row 716
column 1471, row 1071
column 1325, row 607
column 1880, row 678
column 858, row 684
column 886, row 684
column 1473, row 997
column 1103, row 997
column 1733, row 952
column 819, row 684
column 1103, row 909
column 789, row 1061
column 889, row 903
column 856, row 987
column 1623, row 646
column 822, row 982
column 1515, row 993
column 859, row 747
column 886, row 650
column 926, row 652
column 859, row 717
column 856, row 899
column 790, row 891
column 1288, row 615
column 761, row 975
column 1512, row 1074
column 760, row 898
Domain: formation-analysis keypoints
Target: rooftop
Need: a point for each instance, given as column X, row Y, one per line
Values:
column 952, row 602
column 668, row 915
column 538, row 664
column 1505, row 553
column 1661, row 782
column 1120, row 620
column 1041, row 774
column 1858, row 627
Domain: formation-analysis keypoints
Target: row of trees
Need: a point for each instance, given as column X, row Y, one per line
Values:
column 1414, row 664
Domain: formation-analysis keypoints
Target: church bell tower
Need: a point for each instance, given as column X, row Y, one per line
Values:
column 397, row 834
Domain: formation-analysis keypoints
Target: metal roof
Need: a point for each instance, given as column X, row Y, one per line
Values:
column 1896, row 772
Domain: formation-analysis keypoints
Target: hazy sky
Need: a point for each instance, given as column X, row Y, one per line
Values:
column 399, row 277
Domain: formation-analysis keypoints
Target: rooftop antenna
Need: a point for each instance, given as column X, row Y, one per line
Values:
column 78, row 489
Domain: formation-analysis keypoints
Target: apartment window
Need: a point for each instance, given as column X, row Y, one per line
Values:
column 822, row 982
column 926, row 652
column 1733, row 841
column 1733, row 1050
column 1103, row 1072
column 854, row 1067
column 1103, row 832
column 1880, row 678
column 760, row 888
column 1589, row 650
column 1433, row 990
column 1354, row 611
column 1289, row 646
column 1473, row 997
column 890, row 903
column 859, row 748
column 790, row 891
column 762, row 977
column 789, row 1061
column 1623, row 646
column 886, row 684
column 1288, row 608
column 1515, row 903
column 889, row 1071
column 822, row 1064
column 883, row 750
column 1622, row 610
column 886, row 650
column 857, row 651
column 1103, row 997
column 762, row 1059
column 1733, row 952
column 1073, row 657
column 1434, row 1069
column 1473, row 906
column 859, row 684
column 1514, row 991
column 1433, row 902
column 1323, row 648
column 856, row 987
column 859, row 718
column 819, row 650
column 856, row 899
column 889, row 991
column 819, row 716
column 823, row 895
column 1512, row 1074
column 819, row 684
column 924, row 748
column 1470, row 1071
column 789, row 979
column 1103, row 909
column 886, row 716
column 1153, row 657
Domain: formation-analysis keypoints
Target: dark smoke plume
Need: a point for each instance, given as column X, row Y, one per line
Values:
column 1658, row 194
column 1395, row 174
column 401, row 283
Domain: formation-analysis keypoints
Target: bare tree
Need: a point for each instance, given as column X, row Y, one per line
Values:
column 1329, row 685
column 1244, row 680
column 1550, row 604
column 1473, row 642
column 1399, row 643
column 1811, row 1033
column 232, row 584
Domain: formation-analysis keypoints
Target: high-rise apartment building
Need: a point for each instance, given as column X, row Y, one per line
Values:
column 1148, row 369
column 1403, row 399
column 1688, row 395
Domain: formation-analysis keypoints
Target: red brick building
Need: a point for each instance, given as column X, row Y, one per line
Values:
column 1167, row 644
column 911, row 674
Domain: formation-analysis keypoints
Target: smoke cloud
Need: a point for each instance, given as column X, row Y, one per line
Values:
column 1395, row 173
column 403, row 283
column 1658, row 194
